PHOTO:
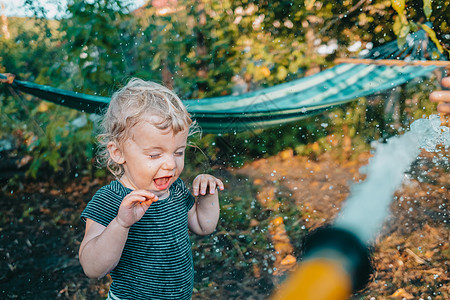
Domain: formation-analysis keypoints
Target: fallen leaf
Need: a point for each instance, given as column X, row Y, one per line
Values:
column 288, row 260
column 277, row 221
column 254, row 223
column 258, row 181
column 55, row 192
column 415, row 256
column 402, row 293
column 281, row 248
column 286, row 154
column 256, row 271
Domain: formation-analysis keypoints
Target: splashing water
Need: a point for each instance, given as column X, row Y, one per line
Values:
column 368, row 204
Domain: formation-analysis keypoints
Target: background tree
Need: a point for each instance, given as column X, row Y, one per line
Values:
column 200, row 48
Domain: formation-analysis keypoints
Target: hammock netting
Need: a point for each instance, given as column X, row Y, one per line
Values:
column 285, row 102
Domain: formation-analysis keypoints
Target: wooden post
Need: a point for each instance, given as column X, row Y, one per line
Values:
column 393, row 62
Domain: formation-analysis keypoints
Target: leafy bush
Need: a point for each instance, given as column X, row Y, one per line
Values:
column 198, row 51
column 54, row 138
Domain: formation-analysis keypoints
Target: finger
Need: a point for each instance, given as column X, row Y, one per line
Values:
column 150, row 198
column 196, row 184
column 195, row 187
column 145, row 193
column 444, row 108
column 220, row 184
column 216, row 184
column 133, row 198
column 440, row 96
column 204, row 186
column 212, row 187
column 446, row 82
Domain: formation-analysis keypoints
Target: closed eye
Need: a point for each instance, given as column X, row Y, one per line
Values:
column 154, row 155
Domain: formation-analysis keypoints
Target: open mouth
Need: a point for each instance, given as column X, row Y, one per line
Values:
column 162, row 183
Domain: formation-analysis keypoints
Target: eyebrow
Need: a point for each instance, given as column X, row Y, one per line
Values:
column 161, row 148
column 152, row 148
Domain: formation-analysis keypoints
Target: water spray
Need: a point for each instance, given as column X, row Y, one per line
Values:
column 336, row 260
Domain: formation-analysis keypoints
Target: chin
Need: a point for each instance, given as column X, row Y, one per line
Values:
column 160, row 193
column 163, row 195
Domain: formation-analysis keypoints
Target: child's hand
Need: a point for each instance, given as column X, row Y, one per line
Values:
column 204, row 181
column 134, row 206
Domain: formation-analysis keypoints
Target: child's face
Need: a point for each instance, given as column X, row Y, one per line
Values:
column 152, row 158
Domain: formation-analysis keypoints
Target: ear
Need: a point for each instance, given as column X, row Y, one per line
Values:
column 115, row 153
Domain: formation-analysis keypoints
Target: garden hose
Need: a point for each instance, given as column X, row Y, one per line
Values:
column 335, row 264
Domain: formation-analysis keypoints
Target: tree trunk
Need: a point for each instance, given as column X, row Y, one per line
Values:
column 5, row 29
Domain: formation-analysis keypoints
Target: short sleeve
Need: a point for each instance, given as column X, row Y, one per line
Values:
column 190, row 199
column 103, row 207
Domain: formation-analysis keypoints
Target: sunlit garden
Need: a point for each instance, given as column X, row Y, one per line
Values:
column 304, row 110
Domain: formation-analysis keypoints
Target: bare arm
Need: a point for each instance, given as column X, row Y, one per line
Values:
column 102, row 247
column 204, row 215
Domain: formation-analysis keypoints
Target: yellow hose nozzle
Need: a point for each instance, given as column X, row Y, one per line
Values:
column 336, row 263
column 317, row 279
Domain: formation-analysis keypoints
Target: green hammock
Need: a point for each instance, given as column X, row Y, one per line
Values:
column 282, row 103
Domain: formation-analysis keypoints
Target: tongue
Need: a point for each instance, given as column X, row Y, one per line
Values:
column 161, row 181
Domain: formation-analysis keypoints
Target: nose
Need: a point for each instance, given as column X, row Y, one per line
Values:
column 169, row 163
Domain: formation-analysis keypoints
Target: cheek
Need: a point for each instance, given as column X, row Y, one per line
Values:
column 180, row 163
column 146, row 165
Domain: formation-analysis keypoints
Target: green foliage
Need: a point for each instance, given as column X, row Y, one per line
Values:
column 30, row 49
column 200, row 49
column 67, row 147
column 97, row 41
column 48, row 139
column 43, row 131
column 410, row 17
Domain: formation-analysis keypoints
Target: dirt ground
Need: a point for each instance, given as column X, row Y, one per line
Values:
column 411, row 254
column 40, row 231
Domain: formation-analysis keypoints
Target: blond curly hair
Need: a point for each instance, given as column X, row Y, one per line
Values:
column 137, row 100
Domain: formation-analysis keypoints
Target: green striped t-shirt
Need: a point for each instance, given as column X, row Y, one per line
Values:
column 156, row 262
